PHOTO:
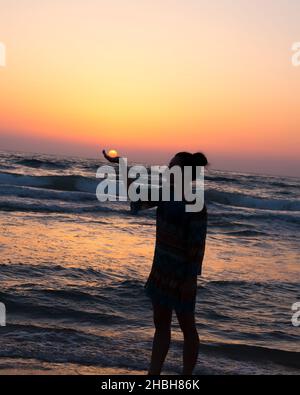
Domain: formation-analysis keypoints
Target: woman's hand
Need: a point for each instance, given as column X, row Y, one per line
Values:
column 109, row 158
column 189, row 288
column 123, row 172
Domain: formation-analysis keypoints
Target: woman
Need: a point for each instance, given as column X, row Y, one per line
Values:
column 172, row 283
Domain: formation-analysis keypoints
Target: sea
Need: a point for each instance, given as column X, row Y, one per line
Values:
column 72, row 273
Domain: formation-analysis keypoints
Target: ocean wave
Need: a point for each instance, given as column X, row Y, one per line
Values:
column 246, row 233
column 243, row 289
column 215, row 178
column 101, row 350
column 45, row 194
column 36, row 206
column 22, row 270
column 252, row 284
column 84, row 184
column 259, row 353
column 63, row 304
column 246, row 201
column 64, row 182
column 44, row 164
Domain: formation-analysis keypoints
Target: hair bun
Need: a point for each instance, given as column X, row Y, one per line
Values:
column 199, row 159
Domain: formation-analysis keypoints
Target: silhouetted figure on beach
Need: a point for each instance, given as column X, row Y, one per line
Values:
column 178, row 256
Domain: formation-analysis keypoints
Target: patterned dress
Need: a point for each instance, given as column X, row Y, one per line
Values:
column 179, row 252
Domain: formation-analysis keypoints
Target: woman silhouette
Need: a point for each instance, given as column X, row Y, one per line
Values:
column 178, row 256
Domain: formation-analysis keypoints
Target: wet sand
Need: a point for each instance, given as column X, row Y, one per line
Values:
column 12, row 366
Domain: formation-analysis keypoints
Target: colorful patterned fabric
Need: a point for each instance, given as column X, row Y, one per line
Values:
column 179, row 252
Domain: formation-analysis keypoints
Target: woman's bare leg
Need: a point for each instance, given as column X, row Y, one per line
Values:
column 162, row 317
column 191, row 341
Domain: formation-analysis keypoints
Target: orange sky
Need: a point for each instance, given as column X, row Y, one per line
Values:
column 151, row 78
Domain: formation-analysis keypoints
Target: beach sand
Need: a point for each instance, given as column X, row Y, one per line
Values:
column 14, row 366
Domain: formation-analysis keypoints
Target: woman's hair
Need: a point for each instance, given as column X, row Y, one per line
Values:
column 188, row 159
column 193, row 160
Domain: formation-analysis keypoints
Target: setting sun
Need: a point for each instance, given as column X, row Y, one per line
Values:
column 113, row 153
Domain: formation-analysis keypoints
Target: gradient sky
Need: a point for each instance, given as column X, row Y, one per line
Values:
column 151, row 77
